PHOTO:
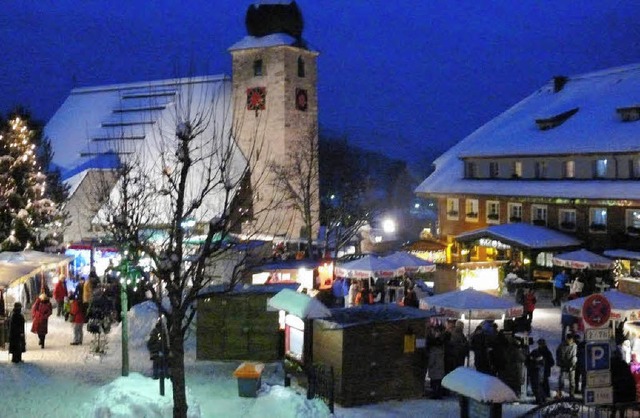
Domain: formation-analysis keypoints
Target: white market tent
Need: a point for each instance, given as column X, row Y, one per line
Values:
column 18, row 266
column 15, row 271
column 479, row 386
column 582, row 259
column 409, row 263
column 299, row 304
column 622, row 304
column 366, row 267
column 472, row 303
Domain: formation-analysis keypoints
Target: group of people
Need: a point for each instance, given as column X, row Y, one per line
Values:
column 575, row 285
column 353, row 292
column 446, row 348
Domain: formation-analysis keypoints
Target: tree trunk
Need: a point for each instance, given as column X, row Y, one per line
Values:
column 176, row 363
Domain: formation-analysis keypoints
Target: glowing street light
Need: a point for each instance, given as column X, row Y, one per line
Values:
column 389, row 226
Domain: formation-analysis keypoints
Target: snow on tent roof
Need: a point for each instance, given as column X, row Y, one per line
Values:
column 581, row 259
column 623, row 254
column 366, row 314
column 299, row 304
column 479, row 386
column 522, row 235
column 241, row 289
column 594, row 129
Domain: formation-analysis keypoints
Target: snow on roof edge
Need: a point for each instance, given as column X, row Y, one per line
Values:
column 154, row 83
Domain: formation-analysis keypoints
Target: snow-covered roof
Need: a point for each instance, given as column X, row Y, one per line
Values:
column 274, row 39
column 367, row 314
column 594, row 129
column 623, row 254
column 582, row 259
column 522, row 235
column 97, row 127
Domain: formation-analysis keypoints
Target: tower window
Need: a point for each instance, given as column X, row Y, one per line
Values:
column 257, row 68
column 516, row 169
column 494, row 169
column 301, row 69
column 600, row 168
column 568, row 169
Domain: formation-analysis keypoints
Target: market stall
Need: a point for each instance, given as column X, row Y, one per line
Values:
column 626, row 270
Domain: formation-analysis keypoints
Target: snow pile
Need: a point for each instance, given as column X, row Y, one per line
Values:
column 479, row 386
column 137, row 396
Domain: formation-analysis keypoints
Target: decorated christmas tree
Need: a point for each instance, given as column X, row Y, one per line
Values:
column 30, row 215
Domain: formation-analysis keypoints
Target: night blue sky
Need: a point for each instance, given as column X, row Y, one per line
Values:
column 409, row 77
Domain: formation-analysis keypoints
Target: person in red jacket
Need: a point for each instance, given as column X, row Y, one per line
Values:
column 529, row 306
column 40, row 312
column 59, row 293
column 77, row 318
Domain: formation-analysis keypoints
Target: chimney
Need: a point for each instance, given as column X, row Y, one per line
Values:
column 558, row 82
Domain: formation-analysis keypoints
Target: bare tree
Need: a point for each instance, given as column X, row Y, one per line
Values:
column 189, row 177
column 298, row 178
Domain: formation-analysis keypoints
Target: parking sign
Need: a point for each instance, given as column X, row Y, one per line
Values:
column 598, row 356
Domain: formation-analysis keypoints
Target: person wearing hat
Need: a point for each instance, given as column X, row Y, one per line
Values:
column 40, row 312
column 17, row 342
column 567, row 359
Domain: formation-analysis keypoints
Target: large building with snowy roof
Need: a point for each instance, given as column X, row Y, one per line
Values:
column 268, row 103
column 567, row 157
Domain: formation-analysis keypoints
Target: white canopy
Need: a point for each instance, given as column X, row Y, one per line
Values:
column 622, row 304
column 472, row 303
column 17, row 265
column 13, row 271
column 409, row 262
column 299, row 304
column 582, row 259
column 479, row 386
column 367, row 266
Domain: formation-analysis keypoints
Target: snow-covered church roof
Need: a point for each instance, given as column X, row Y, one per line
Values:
column 97, row 127
column 595, row 128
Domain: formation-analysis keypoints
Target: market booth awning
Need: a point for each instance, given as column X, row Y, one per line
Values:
column 521, row 235
column 367, row 266
column 582, row 259
column 18, row 266
column 622, row 304
column 409, row 262
column 299, row 304
column 11, row 272
column 474, row 304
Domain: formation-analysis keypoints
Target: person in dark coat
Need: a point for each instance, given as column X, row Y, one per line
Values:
column 435, row 361
column 17, row 342
column 411, row 298
column 581, row 375
column 548, row 364
column 535, row 368
column 624, row 385
column 480, row 351
column 158, row 350
column 40, row 312
column 456, row 348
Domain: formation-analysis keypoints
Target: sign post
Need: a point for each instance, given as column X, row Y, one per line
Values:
column 596, row 312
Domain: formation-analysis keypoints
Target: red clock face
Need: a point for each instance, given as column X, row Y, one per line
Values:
column 256, row 98
column 301, row 99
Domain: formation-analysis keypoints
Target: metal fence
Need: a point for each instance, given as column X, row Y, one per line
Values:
column 568, row 407
column 321, row 384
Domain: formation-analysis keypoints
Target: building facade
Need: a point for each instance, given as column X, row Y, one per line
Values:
column 567, row 158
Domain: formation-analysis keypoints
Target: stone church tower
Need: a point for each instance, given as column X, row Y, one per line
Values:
column 275, row 103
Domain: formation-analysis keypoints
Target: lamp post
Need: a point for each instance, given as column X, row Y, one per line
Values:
column 124, row 306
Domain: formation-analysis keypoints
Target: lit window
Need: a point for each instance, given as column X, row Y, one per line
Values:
column 493, row 211
column 632, row 221
column 515, row 212
column 567, row 219
column 568, row 169
column 301, row 69
column 494, row 169
column 600, row 168
column 598, row 219
column 517, row 169
column 539, row 215
column 453, row 209
column 257, row 68
column 471, row 210
column 541, row 169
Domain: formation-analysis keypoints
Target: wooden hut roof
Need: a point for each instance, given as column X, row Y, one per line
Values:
column 349, row 317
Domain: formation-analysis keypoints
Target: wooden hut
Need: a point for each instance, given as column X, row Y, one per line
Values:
column 236, row 325
column 376, row 351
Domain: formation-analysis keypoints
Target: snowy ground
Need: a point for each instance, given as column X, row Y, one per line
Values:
column 68, row 381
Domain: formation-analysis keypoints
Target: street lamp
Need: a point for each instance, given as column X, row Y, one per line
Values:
column 389, row 226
